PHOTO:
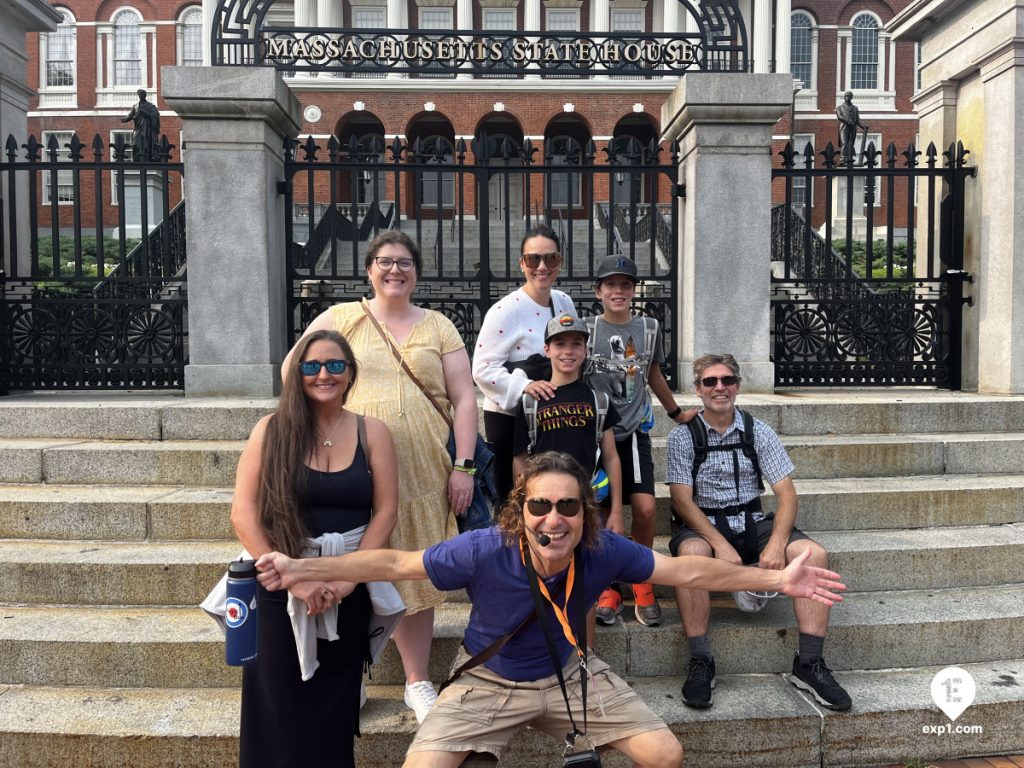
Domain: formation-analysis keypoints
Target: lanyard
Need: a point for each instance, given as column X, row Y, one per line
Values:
column 537, row 588
column 560, row 613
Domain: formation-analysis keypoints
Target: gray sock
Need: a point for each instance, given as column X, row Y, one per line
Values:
column 810, row 648
column 700, row 646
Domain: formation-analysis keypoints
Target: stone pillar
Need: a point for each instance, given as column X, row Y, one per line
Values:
column 234, row 120
column 18, row 17
column 723, row 123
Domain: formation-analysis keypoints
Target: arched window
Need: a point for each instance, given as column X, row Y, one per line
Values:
column 801, row 49
column 60, row 54
column 190, row 38
column 864, row 56
column 127, row 48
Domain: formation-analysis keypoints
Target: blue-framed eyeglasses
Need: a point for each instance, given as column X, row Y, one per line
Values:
column 312, row 367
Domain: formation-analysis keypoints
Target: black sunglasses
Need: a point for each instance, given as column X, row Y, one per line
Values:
column 727, row 381
column 312, row 367
column 564, row 507
column 533, row 260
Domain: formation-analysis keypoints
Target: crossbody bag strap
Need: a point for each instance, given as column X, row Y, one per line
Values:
column 405, row 366
column 479, row 658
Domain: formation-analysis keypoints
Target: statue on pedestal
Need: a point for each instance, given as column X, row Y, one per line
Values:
column 146, row 139
column 849, row 122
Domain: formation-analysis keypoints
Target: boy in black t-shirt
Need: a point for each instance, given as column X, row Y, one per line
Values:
column 568, row 420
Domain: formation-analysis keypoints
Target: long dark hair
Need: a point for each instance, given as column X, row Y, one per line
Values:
column 289, row 441
column 510, row 519
column 539, row 230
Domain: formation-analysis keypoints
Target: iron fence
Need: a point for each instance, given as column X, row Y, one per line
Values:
column 92, row 267
column 468, row 208
column 868, row 278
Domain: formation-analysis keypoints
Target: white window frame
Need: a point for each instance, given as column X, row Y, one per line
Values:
column 553, row 13
column 493, row 19
column 625, row 20
column 807, row 97
column 109, row 93
column 59, row 96
column 65, row 179
column 381, row 12
column 448, row 23
column 184, row 25
column 876, row 50
column 129, row 152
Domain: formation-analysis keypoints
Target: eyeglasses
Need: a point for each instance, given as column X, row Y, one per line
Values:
column 551, row 260
column 564, row 507
column 727, row 381
column 312, row 367
column 386, row 263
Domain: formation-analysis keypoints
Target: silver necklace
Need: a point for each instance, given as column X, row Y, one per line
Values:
column 328, row 443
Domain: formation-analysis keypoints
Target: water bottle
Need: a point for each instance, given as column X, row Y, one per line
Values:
column 240, row 614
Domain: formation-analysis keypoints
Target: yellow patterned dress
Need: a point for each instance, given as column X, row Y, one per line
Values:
column 385, row 391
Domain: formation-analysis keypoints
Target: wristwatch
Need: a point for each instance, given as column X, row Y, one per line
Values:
column 465, row 464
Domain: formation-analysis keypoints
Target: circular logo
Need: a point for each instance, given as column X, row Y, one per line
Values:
column 566, row 320
column 235, row 612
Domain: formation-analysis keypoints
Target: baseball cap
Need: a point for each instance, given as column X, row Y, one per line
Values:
column 565, row 324
column 616, row 265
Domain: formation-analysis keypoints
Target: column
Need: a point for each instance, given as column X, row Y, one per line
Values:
column 783, row 11
column 845, row 42
column 328, row 13
column 101, row 70
column 531, row 23
column 464, row 20
column 108, row 40
column 234, row 120
column 209, row 9
column 890, row 71
column 152, row 63
column 723, row 123
column 144, row 60
column 762, row 35
column 600, row 21
column 395, row 13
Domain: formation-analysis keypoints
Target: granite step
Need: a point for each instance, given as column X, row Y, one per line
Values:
column 758, row 721
column 161, row 512
column 149, row 646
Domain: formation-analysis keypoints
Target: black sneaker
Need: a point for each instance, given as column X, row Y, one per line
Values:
column 700, row 682
column 817, row 680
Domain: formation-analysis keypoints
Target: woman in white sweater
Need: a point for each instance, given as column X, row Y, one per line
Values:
column 509, row 356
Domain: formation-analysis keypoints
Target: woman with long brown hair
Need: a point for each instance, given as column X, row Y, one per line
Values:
column 388, row 333
column 311, row 470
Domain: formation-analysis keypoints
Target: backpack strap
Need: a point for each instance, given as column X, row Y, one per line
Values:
column 747, row 444
column 530, row 410
column 699, row 436
column 650, row 336
column 601, row 401
column 591, row 321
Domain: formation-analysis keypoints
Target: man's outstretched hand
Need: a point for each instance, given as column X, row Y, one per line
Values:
column 276, row 571
column 808, row 581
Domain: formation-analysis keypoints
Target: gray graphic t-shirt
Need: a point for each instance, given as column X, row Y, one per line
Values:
column 618, row 364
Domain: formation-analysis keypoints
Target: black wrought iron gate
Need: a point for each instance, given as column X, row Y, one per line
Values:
column 867, row 276
column 468, row 207
column 92, row 267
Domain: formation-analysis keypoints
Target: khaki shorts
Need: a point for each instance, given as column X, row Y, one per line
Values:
column 481, row 711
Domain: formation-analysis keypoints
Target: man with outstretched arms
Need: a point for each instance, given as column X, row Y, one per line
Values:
column 530, row 580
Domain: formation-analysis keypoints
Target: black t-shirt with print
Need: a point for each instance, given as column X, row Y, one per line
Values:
column 568, row 423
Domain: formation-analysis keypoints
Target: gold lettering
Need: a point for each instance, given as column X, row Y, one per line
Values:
column 550, row 54
column 279, row 48
column 316, row 50
column 631, row 52
column 333, row 49
column 367, row 50
column 387, row 50
column 410, row 50
column 611, row 52
column 497, row 54
column 520, row 51
column 350, row 51
column 584, row 52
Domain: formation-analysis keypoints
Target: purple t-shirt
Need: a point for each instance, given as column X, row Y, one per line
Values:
column 494, row 576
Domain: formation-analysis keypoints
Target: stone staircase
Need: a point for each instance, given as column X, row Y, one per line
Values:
column 114, row 525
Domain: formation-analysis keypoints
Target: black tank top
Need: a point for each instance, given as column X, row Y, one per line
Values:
column 339, row 501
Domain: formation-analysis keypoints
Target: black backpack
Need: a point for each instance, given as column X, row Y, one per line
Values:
column 699, row 435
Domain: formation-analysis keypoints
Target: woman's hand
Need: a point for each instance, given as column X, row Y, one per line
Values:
column 316, row 594
column 340, row 589
column 460, row 491
column 540, row 390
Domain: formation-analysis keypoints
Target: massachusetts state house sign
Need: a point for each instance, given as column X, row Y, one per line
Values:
column 240, row 37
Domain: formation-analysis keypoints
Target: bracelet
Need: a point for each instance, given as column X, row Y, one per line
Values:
column 467, row 470
column 674, row 414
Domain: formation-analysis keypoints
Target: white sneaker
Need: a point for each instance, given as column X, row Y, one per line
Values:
column 749, row 602
column 362, row 694
column 420, row 697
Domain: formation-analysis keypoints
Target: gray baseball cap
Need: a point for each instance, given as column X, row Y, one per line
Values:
column 616, row 265
column 565, row 324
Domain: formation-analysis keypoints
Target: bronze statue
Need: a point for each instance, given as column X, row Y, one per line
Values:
column 849, row 122
column 146, row 138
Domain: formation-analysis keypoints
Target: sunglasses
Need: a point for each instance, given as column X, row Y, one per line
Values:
column 564, row 507
column 533, row 260
column 385, row 263
column 727, row 381
column 312, row 367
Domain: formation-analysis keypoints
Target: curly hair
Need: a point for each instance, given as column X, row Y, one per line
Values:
column 510, row 518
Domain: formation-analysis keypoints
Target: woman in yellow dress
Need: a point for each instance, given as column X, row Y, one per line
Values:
column 431, row 492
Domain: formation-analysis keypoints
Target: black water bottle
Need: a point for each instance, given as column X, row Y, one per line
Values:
column 241, row 616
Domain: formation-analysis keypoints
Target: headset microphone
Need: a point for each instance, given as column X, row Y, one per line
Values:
column 542, row 538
